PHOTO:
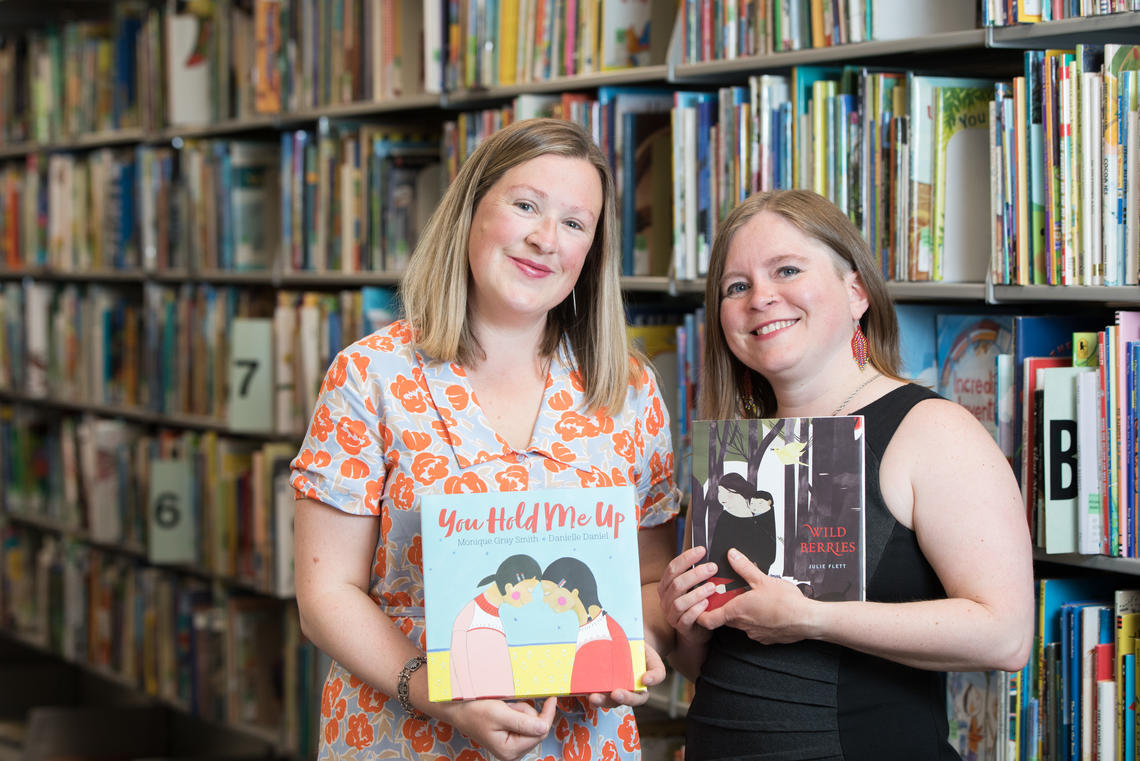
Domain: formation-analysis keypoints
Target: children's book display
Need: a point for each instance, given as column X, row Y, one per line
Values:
column 532, row 593
column 786, row 492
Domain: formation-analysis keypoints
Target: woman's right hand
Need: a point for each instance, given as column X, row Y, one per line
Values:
column 507, row 730
column 684, row 595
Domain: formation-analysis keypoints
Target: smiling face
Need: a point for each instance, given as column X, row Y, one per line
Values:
column 520, row 594
column 530, row 235
column 788, row 304
column 560, row 599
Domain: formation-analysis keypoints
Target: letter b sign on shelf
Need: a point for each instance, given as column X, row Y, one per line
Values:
column 250, row 398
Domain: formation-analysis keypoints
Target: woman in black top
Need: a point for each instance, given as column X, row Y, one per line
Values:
column 801, row 325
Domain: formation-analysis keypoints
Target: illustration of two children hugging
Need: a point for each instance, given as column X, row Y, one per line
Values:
column 480, row 658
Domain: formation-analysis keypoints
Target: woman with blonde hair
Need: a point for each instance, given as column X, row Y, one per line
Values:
column 800, row 325
column 510, row 371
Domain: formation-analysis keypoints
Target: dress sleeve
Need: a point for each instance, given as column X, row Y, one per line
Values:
column 657, row 495
column 342, row 459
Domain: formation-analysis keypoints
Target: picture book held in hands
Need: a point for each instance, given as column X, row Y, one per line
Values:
column 788, row 493
column 532, row 593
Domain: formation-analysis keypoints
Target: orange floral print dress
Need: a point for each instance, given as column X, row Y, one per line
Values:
column 390, row 425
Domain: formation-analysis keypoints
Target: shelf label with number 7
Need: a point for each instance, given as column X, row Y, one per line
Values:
column 251, row 375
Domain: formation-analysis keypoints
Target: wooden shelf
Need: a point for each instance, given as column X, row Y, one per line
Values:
column 1063, row 33
column 195, row 422
column 1090, row 562
column 839, row 54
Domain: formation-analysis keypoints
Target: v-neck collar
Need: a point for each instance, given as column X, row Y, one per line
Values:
column 562, row 431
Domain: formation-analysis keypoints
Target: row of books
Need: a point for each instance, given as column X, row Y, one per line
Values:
column 506, row 42
column 724, row 31
column 344, row 197
column 1085, row 428
column 354, row 197
column 865, row 138
column 1076, row 697
column 1007, row 12
column 225, row 656
column 898, row 150
column 229, row 60
column 71, row 79
column 1065, row 158
column 69, row 212
column 862, row 137
column 182, row 350
column 1072, row 442
column 217, row 505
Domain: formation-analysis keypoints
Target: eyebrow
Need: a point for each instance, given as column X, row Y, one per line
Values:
column 543, row 196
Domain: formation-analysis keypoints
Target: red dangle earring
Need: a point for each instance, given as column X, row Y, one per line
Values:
column 748, row 402
column 859, row 347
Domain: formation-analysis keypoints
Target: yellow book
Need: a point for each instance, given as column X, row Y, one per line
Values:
column 1126, row 603
column 508, row 41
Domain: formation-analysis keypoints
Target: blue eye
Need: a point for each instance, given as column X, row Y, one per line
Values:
column 788, row 270
column 574, row 224
column 733, row 289
column 524, row 205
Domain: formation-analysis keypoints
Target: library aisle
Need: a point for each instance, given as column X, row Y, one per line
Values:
column 202, row 201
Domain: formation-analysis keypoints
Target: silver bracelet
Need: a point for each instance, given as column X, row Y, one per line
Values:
column 402, row 688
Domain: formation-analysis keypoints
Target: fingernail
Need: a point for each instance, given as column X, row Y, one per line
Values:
column 733, row 554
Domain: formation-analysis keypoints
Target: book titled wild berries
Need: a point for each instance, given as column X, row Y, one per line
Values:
column 786, row 492
column 532, row 593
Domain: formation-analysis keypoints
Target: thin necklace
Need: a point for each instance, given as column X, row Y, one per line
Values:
column 853, row 393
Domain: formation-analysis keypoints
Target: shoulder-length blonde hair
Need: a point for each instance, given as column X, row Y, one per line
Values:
column 726, row 382
column 592, row 318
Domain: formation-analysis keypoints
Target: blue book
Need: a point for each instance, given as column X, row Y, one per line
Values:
column 1130, row 445
column 1129, row 707
column 532, row 593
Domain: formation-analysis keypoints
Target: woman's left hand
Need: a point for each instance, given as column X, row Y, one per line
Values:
column 773, row 611
column 654, row 674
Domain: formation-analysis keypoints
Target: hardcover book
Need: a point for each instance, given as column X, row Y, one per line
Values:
column 532, row 593
column 786, row 492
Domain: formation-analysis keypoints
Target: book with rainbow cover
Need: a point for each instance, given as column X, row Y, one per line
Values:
column 532, row 593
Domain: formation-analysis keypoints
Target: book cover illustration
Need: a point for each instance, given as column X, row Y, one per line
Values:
column 786, row 492
column 967, row 348
column 974, row 707
column 532, row 593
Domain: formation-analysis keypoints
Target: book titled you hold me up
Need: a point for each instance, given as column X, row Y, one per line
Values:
column 786, row 492
column 532, row 593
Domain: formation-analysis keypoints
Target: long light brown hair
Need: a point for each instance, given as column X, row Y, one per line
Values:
column 434, row 288
column 726, row 382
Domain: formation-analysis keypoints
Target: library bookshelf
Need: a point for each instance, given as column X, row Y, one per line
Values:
column 143, row 497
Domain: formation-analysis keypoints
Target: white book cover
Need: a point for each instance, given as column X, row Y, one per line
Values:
column 286, row 412
column 1089, row 526
column 1060, row 456
column 898, row 19
column 1132, row 217
column 1092, row 255
column 1106, row 720
column 1090, row 636
column 37, row 304
column 187, row 64
column 433, row 46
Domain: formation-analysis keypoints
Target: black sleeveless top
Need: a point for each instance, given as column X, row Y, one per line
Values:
column 818, row 700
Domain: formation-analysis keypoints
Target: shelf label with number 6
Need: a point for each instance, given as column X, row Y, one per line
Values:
column 170, row 512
